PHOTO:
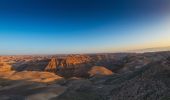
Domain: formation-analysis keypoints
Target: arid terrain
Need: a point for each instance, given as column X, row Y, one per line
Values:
column 109, row 76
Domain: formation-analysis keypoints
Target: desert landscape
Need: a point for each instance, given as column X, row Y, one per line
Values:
column 84, row 49
column 112, row 76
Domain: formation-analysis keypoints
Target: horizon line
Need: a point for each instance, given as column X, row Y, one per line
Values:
column 144, row 50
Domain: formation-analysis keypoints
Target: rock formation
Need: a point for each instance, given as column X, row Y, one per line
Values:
column 69, row 66
column 52, row 66
column 5, row 67
column 99, row 71
column 77, row 59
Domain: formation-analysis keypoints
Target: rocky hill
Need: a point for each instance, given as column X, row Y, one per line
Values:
column 99, row 71
column 52, row 66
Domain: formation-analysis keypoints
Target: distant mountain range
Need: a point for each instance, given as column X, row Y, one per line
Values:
column 151, row 49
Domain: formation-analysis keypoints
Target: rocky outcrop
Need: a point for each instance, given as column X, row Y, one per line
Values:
column 52, row 66
column 69, row 66
column 77, row 59
column 99, row 71
column 5, row 67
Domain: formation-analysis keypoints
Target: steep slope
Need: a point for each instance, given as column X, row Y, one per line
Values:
column 70, row 66
column 52, row 66
column 151, row 82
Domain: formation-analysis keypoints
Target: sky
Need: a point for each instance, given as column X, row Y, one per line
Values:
column 82, row 26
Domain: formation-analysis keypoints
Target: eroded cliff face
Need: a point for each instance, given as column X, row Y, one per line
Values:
column 52, row 66
column 72, row 65
column 76, row 60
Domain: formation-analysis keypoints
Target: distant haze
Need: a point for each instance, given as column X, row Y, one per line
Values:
column 151, row 49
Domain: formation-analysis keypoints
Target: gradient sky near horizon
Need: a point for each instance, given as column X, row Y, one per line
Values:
column 82, row 26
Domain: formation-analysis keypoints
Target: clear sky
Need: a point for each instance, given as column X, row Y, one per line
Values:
column 82, row 26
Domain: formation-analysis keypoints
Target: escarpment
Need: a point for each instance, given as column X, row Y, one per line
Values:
column 52, row 66
column 72, row 65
